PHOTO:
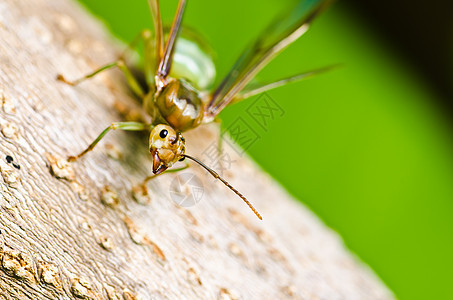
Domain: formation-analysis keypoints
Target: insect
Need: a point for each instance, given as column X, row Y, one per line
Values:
column 177, row 103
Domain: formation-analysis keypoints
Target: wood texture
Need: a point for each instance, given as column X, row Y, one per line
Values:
column 87, row 237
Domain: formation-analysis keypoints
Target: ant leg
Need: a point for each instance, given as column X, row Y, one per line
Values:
column 133, row 83
column 130, row 126
column 144, row 35
column 149, row 57
column 76, row 82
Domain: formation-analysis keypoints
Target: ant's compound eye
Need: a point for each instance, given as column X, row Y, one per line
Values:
column 183, row 158
column 163, row 133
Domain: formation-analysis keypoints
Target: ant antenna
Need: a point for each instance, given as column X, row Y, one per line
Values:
column 217, row 176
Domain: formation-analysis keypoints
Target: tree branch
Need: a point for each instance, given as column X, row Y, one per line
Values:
column 93, row 232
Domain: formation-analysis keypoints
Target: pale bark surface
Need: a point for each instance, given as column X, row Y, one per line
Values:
column 71, row 238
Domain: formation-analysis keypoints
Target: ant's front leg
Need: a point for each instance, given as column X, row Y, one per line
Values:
column 129, row 126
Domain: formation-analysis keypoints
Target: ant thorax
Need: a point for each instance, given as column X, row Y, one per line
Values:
column 177, row 104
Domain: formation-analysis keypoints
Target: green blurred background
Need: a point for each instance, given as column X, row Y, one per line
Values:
column 368, row 146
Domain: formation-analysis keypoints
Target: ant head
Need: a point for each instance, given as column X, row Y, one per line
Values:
column 166, row 146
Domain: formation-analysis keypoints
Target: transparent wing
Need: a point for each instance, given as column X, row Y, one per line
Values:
column 271, row 42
